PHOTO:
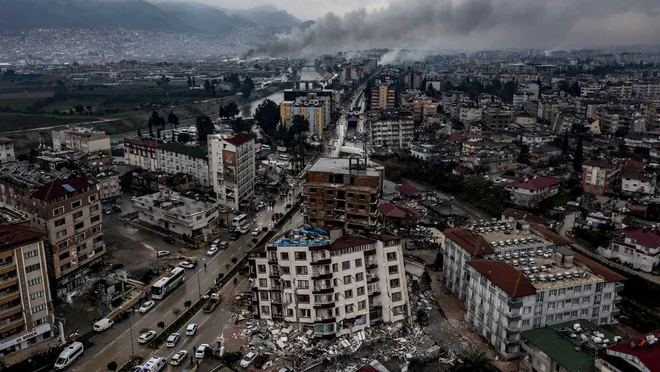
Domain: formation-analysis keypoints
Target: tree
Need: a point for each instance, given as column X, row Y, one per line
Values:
column 161, row 325
column 79, row 108
column 474, row 361
column 189, row 82
column 204, row 128
column 240, row 125
column 267, row 116
column 221, row 111
column 139, row 133
column 231, row 109
column 246, row 91
column 112, row 366
column 207, row 85
column 299, row 124
column 150, row 125
column 184, row 137
column 187, row 304
column 578, row 158
column 176, row 311
column 438, row 261
column 172, row 119
column 564, row 144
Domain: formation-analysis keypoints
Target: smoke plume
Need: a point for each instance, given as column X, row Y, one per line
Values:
column 471, row 24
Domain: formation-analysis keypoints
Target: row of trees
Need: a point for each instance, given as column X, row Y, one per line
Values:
column 158, row 122
column 212, row 86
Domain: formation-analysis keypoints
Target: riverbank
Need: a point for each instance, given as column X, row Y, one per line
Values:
column 187, row 115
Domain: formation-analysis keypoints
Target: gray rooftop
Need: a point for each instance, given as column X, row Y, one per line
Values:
column 342, row 166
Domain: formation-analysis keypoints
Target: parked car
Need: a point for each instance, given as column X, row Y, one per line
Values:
column 162, row 253
column 173, row 339
column 213, row 250
column 146, row 307
column 191, row 329
column 248, row 359
column 146, row 337
column 116, row 208
column 223, row 244
column 201, row 351
column 188, row 263
column 243, row 230
column 179, row 357
column 170, row 240
column 256, row 231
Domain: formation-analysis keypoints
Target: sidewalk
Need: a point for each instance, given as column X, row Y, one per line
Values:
column 455, row 314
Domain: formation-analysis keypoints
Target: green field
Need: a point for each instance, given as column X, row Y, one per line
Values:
column 10, row 122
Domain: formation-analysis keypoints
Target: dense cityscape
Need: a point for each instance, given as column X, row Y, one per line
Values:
column 254, row 197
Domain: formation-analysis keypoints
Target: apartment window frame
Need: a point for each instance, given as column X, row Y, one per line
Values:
column 76, row 204
column 57, row 211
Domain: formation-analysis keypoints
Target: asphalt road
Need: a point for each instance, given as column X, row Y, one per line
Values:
column 115, row 344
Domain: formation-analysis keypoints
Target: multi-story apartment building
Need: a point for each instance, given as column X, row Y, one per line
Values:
column 382, row 97
column 635, row 181
column 517, row 278
column 176, row 158
column 342, row 193
column 26, row 313
column 636, row 246
column 413, row 79
column 598, row 176
column 530, row 191
column 317, row 109
column 108, row 184
column 395, row 133
column 6, row 150
column 69, row 211
column 646, row 90
column 232, row 169
column 83, row 140
column 331, row 286
column 141, row 153
column 613, row 119
column 177, row 214
column 351, row 72
column 468, row 114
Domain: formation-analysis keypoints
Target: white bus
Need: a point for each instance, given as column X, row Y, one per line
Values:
column 240, row 221
column 167, row 284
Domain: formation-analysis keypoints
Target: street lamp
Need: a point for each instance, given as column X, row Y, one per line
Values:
column 199, row 284
column 130, row 328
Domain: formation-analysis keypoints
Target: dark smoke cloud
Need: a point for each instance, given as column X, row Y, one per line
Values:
column 470, row 24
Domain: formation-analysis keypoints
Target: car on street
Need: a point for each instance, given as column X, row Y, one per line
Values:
column 201, row 351
column 243, row 230
column 216, row 242
column 234, row 235
column 248, row 359
column 162, row 253
column 191, row 329
column 179, row 357
column 223, row 244
column 173, row 339
column 170, row 240
column 146, row 307
column 256, row 231
column 213, row 250
column 188, row 263
column 146, row 337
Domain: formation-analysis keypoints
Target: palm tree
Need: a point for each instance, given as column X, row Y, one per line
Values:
column 474, row 361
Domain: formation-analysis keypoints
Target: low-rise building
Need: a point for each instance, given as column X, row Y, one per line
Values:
column 141, row 153
column 176, row 214
column 636, row 246
column 109, row 184
column 176, row 158
column 331, row 286
column 635, row 181
column 79, row 139
column 598, row 176
column 530, row 191
column 26, row 313
column 641, row 354
column 6, row 150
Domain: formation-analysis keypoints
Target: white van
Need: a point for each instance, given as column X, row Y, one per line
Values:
column 69, row 355
column 154, row 364
column 103, row 324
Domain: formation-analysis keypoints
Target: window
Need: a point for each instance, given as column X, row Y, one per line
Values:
column 395, row 283
column 585, row 300
column 33, row 282
column 527, row 310
column 285, row 256
column 553, row 292
column 301, row 270
column 551, row 306
column 574, row 314
column 549, row 318
column 587, row 287
column 263, row 295
column 577, row 289
column 606, row 308
column 305, row 313
column 64, row 256
column 302, row 284
column 59, row 222
column 30, row 254
column 77, row 215
column 557, row 317
column 79, row 226
column 335, row 267
column 607, row 296
column 394, row 269
column 93, row 198
column 360, row 291
column 38, row 308
column 263, row 282
column 31, row 268
column 286, row 284
column 396, row 296
column 603, row 320
column 346, row 265
column 265, row 310
column 349, row 308
column 261, row 269
column 359, row 277
column 76, row 204
column 93, row 208
column 347, row 279
column 348, row 293
column 37, row 294
column 358, row 262
column 576, row 301
column 391, row 256
column 57, row 211
column 584, row 312
column 303, row 299
column 301, row 256
column 525, row 323
column 562, row 291
column 362, row 304
column 286, row 270
column 95, row 219
column 60, row 233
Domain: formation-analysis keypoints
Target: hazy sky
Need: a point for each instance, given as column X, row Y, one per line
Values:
column 303, row 9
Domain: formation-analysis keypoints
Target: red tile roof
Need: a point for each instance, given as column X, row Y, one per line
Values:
column 4, row 140
column 139, row 142
column 239, row 139
column 348, row 241
column 505, row 276
column 408, row 190
column 599, row 163
column 14, row 235
column 648, row 355
column 600, row 269
column 396, row 211
column 551, row 235
column 523, row 215
column 473, row 243
column 61, row 187
column 535, row 183
column 645, row 237
column 458, row 137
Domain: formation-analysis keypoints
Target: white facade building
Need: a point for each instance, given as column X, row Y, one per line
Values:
column 633, row 181
column 141, row 153
column 635, row 246
column 520, row 279
column 232, row 169
column 79, row 139
column 176, row 158
column 179, row 215
column 393, row 133
column 331, row 286
column 7, row 150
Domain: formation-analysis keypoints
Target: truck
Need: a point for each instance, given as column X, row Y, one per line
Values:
column 213, row 303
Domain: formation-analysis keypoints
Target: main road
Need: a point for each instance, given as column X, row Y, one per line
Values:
column 120, row 342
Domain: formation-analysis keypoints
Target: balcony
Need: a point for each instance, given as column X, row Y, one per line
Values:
column 322, row 289
column 374, row 292
column 372, row 278
column 618, row 287
column 374, row 305
column 272, row 259
column 7, row 267
column 514, row 303
column 321, row 274
column 321, row 260
column 276, row 287
column 371, row 264
column 276, row 300
column 617, row 299
column 8, row 294
column 324, row 305
column 11, row 324
column 274, row 274
column 9, row 310
column 7, row 281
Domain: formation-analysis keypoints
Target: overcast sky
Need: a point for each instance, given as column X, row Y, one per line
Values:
column 302, row 9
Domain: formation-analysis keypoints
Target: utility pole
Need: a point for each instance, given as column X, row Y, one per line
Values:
column 199, row 284
column 130, row 327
